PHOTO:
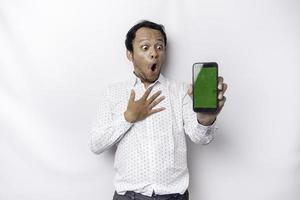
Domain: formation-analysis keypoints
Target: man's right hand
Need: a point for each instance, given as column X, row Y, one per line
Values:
column 142, row 108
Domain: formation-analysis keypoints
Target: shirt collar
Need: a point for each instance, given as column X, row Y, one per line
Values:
column 136, row 80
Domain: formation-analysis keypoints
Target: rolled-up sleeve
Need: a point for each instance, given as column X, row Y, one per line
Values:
column 107, row 131
column 197, row 132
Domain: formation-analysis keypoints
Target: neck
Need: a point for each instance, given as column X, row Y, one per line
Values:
column 146, row 84
column 143, row 80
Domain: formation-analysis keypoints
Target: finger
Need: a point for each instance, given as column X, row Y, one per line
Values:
column 132, row 95
column 224, row 88
column 222, row 102
column 222, row 92
column 156, row 110
column 220, row 82
column 146, row 94
column 220, row 96
column 154, row 96
column 154, row 103
column 190, row 90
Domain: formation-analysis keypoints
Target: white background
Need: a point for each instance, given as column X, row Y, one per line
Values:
column 56, row 57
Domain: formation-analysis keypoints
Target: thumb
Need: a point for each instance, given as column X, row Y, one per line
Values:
column 190, row 90
column 132, row 95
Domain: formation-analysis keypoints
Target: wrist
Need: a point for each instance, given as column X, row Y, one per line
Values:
column 206, row 121
column 128, row 117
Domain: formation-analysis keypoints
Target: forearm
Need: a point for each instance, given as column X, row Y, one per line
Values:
column 200, row 128
column 199, row 133
column 104, row 136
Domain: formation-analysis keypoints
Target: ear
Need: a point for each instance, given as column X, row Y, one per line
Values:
column 129, row 55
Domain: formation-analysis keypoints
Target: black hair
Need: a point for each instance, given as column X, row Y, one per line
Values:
column 147, row 24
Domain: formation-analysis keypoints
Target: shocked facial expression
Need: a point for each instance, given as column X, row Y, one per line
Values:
column 148, row 54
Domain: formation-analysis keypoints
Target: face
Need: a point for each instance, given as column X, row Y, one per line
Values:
column 148, row 54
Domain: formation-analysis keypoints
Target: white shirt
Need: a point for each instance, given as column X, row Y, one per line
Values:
column 151, row 154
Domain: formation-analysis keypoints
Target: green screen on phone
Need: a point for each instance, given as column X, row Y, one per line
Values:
column 205, row 94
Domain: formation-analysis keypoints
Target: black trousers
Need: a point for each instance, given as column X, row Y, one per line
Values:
column 130, row 195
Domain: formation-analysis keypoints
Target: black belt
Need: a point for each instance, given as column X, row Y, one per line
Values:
column 134, row 195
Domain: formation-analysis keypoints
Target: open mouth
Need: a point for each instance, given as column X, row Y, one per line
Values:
column 153, row 67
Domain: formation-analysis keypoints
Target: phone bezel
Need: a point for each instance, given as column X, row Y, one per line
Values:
column 206, row 65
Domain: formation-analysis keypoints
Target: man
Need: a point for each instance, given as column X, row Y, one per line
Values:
column 148, row 117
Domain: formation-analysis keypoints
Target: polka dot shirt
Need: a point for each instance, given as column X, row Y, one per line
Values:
column 151, row 154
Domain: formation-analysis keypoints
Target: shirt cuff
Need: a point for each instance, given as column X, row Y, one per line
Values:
column 209, row 130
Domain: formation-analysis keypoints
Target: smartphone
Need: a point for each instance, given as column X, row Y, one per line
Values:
column 205, row 87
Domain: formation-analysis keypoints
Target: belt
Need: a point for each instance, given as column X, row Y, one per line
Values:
column 134, row 195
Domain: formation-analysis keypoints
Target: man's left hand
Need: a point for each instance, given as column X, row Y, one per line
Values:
column 207, row 119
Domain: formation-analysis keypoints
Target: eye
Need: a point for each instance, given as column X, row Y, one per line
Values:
column 160, row 47
column 145, row 47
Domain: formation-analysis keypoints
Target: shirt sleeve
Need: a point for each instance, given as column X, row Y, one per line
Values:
column 197, row 132
column 107, row 131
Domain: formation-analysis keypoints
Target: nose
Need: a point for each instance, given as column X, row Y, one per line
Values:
column 153, row 54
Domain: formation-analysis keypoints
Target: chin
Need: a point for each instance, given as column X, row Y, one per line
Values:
column 154, row 78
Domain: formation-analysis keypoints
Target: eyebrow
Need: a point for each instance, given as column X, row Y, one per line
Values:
column 160, row 40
